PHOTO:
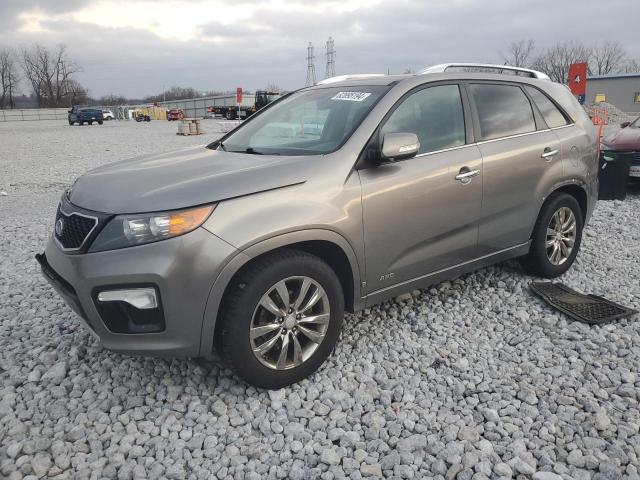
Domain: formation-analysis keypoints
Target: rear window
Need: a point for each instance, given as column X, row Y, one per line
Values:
column 503, row 110
column 552, row 116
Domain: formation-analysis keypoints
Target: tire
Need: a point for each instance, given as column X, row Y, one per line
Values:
column 541, row 261
column 100, row 122
column 241, row 310
column 70, row 122
column 229, row 115
column 80, row 124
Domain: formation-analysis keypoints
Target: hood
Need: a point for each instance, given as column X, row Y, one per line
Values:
column 182, row 179
column 624, row 139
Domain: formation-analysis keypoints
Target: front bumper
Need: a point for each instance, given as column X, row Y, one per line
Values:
column 183, row 269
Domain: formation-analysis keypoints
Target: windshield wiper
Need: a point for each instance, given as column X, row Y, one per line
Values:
column 252, row 151
column 221, row 145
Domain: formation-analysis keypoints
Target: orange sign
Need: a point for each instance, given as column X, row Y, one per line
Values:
column 239, row 95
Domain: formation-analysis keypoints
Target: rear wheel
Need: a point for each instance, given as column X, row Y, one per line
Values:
column 99, row 122
column 556, row 237
column 229, row 115
column 281, row 319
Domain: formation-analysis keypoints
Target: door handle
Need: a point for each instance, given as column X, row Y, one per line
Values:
column 466, row 175
column 548, row 154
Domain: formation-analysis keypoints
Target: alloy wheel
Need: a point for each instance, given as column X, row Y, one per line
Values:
column 561, row 236
column 289, row 322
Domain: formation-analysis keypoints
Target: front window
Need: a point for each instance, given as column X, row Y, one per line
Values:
column 310, row 122
column 434, row 114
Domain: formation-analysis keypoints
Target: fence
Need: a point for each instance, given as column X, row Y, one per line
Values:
column 197, row 107
column 191, row 107
column 29, row 114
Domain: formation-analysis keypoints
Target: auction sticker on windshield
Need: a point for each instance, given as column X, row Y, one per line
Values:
column 351, row 96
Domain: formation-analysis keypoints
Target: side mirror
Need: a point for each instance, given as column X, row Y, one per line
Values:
column 399, row 146
column 625, row 124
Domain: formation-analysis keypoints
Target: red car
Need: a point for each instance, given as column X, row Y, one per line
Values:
column 627, row 139
column 175, row 114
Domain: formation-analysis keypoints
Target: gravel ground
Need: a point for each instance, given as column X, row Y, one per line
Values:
column 473, row 378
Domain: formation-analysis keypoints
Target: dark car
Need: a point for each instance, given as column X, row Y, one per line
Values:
column 82, row 115
column 627, row 139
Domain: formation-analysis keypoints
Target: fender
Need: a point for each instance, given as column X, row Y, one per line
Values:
column 563, row 183
column 255, row 250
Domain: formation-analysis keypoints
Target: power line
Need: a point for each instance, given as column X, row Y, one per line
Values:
column 330, row 71
column 311, row 67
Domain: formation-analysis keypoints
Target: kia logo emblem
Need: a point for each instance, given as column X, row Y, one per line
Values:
column 59, row 226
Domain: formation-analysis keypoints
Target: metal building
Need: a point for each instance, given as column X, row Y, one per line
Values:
column 620, row 89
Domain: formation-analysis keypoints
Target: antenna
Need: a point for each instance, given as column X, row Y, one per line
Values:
column 311, row 68
column 331, row 59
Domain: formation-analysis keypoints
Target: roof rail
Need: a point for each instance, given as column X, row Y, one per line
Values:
column 341, row 78
column 443, row 67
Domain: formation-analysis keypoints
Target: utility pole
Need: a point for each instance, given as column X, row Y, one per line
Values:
column 330, row 71
column 311, row 67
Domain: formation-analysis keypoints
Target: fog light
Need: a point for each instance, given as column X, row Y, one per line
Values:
column 141, row 298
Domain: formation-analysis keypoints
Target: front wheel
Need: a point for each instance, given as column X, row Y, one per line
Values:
column 100, row 122
column 281, row 318
column 556, row 237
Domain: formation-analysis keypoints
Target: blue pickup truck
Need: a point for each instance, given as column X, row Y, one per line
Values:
column 81, row 115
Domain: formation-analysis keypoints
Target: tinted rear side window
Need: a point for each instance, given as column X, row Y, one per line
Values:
column 552, row 116
column 503, row 110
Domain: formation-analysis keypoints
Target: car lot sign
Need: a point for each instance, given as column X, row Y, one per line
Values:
column 578, row 80
column 239, row 95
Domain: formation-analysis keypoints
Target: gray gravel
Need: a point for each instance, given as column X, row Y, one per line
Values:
column 471, row 379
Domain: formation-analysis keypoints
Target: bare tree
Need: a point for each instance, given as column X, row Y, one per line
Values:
column 50, row 74
column 556, row 60
column 520, row 53
column 608, row 57
column 113, row 100
column 632, row 66
column 8, row 78
column 272, row 87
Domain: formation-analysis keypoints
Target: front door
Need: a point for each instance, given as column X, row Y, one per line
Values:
column 418, row 217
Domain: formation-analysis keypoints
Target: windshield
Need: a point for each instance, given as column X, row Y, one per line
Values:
column 310, row 122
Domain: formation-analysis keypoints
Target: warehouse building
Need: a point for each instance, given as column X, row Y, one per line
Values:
column 620, row 89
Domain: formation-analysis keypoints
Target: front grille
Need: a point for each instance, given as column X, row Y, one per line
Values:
column 72, row 229
column 636, row 158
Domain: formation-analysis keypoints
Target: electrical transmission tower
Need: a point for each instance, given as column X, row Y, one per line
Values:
column 311, row 67
column 331, row 59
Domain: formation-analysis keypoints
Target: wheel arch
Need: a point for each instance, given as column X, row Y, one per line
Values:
column 330, row 246
column 576, row 190
column 579, row 193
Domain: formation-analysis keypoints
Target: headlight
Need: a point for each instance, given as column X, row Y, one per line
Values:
column 129, row 230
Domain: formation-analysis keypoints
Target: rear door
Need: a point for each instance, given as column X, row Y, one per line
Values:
column 418, row 218
column 521, row 160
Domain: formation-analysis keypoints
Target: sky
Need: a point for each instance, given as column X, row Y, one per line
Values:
column 139, row 47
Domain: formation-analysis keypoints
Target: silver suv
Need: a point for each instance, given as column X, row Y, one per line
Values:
column 333, row 198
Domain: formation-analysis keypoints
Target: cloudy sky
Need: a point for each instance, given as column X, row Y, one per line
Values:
column 135, row 47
